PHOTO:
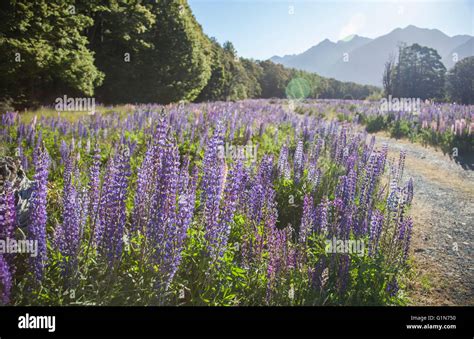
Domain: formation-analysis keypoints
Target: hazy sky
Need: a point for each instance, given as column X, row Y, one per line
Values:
column 263, row 28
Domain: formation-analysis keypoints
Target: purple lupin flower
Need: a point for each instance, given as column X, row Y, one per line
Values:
column 186, row 202
column 141, row 209
column 343, row 272
column 265, row 171
column 314, row 176
column 392, row 287
column 162, row 230
column 261, row 190
column 94, row 187
column 231, row 196
column 401, row 165
column 375, row 230
column 88, row 145
column 84, row 207
column 68, row 236
column 348, row 198
column 36, row 145
column 283, row 165
column 255, row 201
column 22, row 156
column 383, row 158
column 371, row 178
column 112, row 212
column 307, row 219
column 317, row 274
column 38, row 215
column 366, row 194
column 408, row 226
column 261, row 206
column 8, row 222
column 409, row 191
column 63, row 151
column 393, row 196
column 336, row 224
column 147, row 177
column 350, row 188
column 5, row 281
column 7, row 229
column 340, row 148
column 298, row 161
column 276, row 261
column 105, row 205
column 213, row 166
column 317, row 151
column 340, row 188
column 321, row 217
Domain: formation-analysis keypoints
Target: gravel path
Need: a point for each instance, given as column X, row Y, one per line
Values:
column 443, row 238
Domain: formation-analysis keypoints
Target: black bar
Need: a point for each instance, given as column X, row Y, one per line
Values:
column 241, row 321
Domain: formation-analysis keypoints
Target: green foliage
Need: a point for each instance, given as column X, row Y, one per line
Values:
column 373, row 124
column 419, row 73
column 274, row 80
column 177, row 67
column 460, row 81
column 119, row 40
column 447, row 141
column 134, row 51
column 219, row 80
column 45, row 54
column 399, row 129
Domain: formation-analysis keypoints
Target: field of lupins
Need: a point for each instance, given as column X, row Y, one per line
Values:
column 167, row 205
column 442, row 125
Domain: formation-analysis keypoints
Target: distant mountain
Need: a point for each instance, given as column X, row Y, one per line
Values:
column 321, row 57
column 366, row 57
column 460, row 52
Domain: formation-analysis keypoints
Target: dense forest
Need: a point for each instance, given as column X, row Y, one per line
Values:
column 132, row 51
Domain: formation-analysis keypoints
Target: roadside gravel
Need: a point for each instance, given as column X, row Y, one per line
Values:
column 443, row 213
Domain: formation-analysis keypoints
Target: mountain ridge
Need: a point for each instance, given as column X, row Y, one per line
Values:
column 361, row 60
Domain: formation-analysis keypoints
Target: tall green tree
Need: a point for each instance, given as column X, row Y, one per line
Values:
column 419, row 73
column 387, row 75
column 119, row 40
column 232, row 78
column 44, row 53
column 217, row 83
column 460, row 81
column 177, row 66
column 274, row 79
column 253, row 73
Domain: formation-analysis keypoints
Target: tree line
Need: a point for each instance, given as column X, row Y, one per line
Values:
column 132, row 51
column 419, row 73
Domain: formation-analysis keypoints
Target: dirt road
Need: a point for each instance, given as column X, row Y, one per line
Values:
column 443, row 235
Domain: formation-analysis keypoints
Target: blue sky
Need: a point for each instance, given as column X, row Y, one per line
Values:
column 262, row 28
